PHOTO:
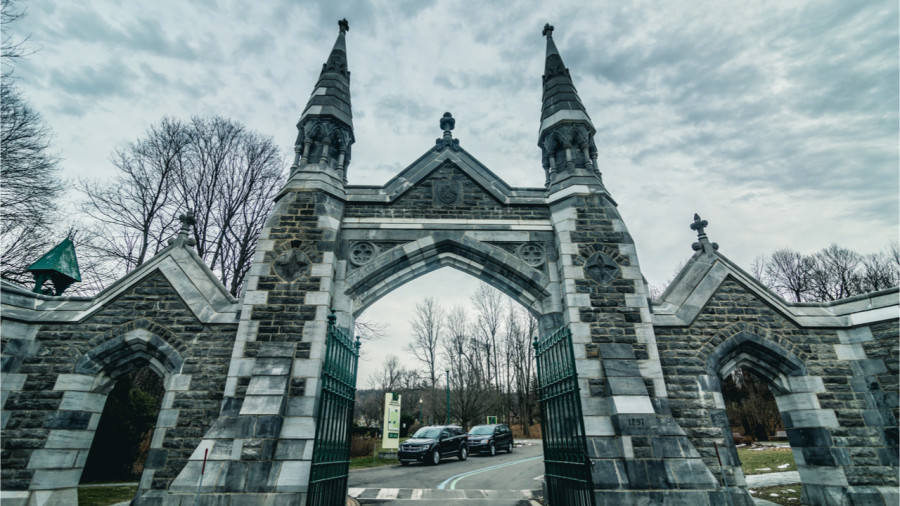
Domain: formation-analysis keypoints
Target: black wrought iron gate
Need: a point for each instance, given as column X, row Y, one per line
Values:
column 334, row 419
column 567, row 468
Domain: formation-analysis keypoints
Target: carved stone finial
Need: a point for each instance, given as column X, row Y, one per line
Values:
column 447, row 141
column 699, row 226
column 343, row 25
column 548, row 31
column 447, row 122
column 187, row 221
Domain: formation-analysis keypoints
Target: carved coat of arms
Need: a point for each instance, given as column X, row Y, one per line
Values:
column 447, row 193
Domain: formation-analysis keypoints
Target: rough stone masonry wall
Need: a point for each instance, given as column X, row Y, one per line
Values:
column 419, row 202
column 840, row 418
column 51, row 409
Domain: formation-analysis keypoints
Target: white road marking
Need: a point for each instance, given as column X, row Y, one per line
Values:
column 388, row 493
column 354, row 492
column 417, row 494
column 541, row 477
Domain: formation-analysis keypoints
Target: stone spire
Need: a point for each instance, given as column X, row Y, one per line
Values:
column 326, row 125
column 566, row 136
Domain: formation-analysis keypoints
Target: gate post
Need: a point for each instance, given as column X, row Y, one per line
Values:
column 638, row 451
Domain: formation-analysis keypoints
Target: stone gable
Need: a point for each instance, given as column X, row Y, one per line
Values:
column 424, row 201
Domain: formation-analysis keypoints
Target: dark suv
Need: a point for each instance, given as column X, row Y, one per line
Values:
column 431, row 444
column 490, row 438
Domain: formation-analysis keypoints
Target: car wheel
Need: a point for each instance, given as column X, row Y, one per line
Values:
column 463, row 453
column 492, row 450
column 509, row 449
column 404, row 463
column 435, row 457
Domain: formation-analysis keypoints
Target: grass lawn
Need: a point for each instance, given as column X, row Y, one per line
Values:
column 784, row 494
column 364, row 462
column 766, row 460
column 104, row 496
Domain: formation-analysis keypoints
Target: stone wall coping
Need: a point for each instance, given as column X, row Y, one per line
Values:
column 203, row 293
column 698, row 281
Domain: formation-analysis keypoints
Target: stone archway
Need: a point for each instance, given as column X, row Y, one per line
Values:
column 502, row 269
column 808, row 425
column 59, row 465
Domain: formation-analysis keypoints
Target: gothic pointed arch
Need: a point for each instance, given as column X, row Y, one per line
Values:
column 395, row 267
column 131, row 346
column 757, row 348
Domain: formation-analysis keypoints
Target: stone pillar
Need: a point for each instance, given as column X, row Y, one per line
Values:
column 262, row 444
column 639, row 453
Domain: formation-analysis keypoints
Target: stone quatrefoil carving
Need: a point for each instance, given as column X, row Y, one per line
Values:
column 532, row 254
column 362, row 252
column 291, row 264
column 601, row 268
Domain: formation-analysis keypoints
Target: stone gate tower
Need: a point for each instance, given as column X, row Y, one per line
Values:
column 244, row 377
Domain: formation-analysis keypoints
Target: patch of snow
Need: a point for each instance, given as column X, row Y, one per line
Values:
column 782, row 466
column 773, row 494
column 789, row 490
column 763, row 468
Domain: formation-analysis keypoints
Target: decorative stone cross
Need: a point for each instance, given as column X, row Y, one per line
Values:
column 548, row 31
column 343, row 25
column 699, row 225
column 187, row 221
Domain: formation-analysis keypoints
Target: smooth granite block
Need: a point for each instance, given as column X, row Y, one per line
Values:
column 75, row 420
column 272, row 366
column 626, row 386
column 621, row 368
column 290, row 449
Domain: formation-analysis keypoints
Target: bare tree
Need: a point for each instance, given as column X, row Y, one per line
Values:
column 878, row 272
column 470, row 395
column 830, row 274
column 11, row 49
column 488, row 305
column 227, row 175
column 389, row 377
column 835, row 273
column 520, row 329
column 427, row 325
column 789, row 274
column 138, row 208
column 30, row 188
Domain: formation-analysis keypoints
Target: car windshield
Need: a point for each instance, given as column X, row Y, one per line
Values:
column 428, row 433
column 481, row 430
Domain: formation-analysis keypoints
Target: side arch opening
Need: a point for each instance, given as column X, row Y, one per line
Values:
column 762, row 361
column 132, row 368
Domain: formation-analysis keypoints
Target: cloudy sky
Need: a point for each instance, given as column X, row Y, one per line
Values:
column 776, row 121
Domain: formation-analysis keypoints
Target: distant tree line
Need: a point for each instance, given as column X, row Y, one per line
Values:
column 488, row 350
column 833, row 273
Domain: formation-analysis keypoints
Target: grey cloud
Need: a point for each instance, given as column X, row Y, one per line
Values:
column 139, row 35
column 106, row 80
column 405, row 105
column 360, row 14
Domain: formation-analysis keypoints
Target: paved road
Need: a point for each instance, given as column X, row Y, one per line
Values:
column 503, row 480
